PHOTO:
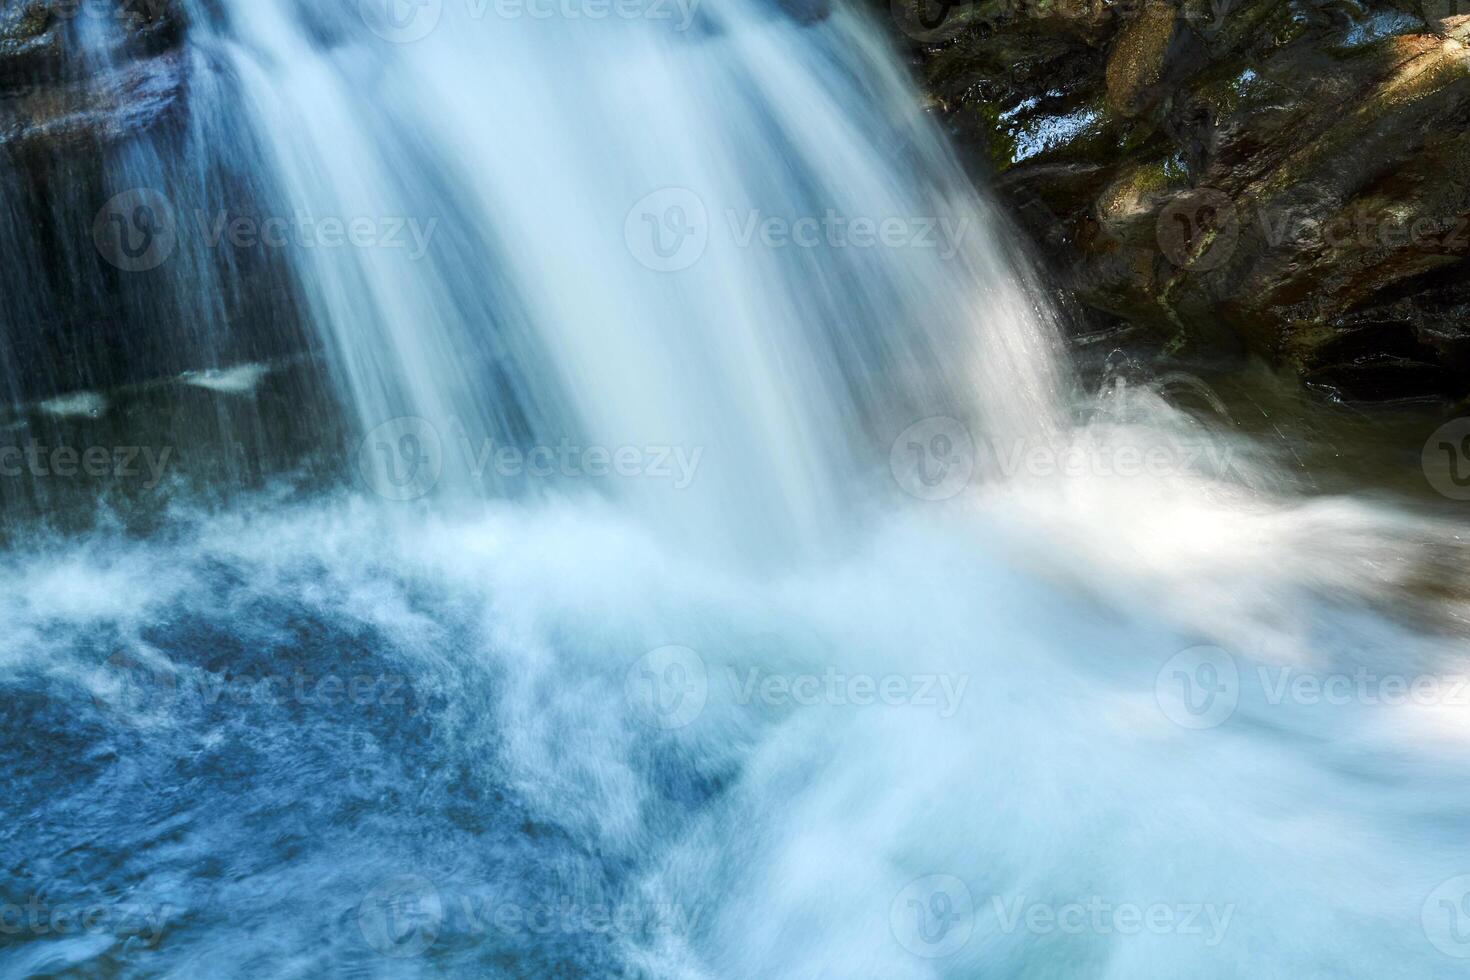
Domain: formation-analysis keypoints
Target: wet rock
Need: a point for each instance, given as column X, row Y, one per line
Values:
column 1287, row 177
column 103, row 109
column 74, row 73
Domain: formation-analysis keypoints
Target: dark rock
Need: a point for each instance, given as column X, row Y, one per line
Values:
column 76, row 74
column 1283, row 176
column 102, row 109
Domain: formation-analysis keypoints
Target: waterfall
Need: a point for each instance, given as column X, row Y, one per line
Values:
column 634, row 531
column 532, row 168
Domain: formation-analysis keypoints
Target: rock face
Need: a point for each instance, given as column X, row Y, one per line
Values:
column 1284, row 176
column 82, row 73
column 119, row 147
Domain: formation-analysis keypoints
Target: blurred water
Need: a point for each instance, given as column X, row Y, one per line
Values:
column 902, row 670
column 548, row 162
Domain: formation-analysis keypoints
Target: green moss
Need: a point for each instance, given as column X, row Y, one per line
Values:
column 1135, row 184
column 1000, row 144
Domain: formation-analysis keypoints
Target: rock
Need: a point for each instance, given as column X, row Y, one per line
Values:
column 1284, row 177
column 1141, row 55
column 59, row 93
column 112, row 106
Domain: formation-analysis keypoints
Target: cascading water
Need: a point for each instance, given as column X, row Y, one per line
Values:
column 746, row 708
column 536, row 259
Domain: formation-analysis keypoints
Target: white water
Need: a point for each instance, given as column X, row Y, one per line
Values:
column 1049, row 767
column 1054, row 770
column 531, row 148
